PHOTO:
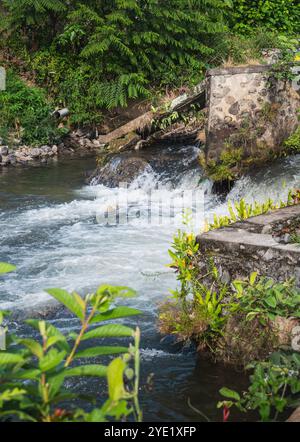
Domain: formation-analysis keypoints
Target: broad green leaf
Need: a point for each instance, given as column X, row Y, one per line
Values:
column 3, row 313
column 250, row 316
column 34, row 346
column 116, row 291
column 231, row 394
column 51, row 331
column 31, row 373
column 52, row 341
column 43, row 329
column 116, row 313
column 68, row 300
column 34, row 323
column 6, row 268
column 271, row 301
column 51, row 359
column 296, row 358
column 10, row 358
column 9, row 395
column 100, row 351
column 109, row 331
column 80, row 301
column 117, row 410
column 20, row 414
column 253, row 277
column 264, row 410
column 115, row 379
column 95, row 415
column 55, row 382
column 87, row 370
column 61, row 341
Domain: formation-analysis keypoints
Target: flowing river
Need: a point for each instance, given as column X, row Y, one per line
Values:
column 50, row 229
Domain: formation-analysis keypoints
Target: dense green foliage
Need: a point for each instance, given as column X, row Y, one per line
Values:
column 293, row 142
column 25, row 113
column 276, row 15
column 94, row 56
column 265, row 299
column 274, row 387
column 33, row 371
column 98, row 54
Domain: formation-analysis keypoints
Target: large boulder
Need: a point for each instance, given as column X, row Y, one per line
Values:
column 120, row 169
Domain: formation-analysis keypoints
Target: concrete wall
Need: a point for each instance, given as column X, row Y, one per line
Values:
column 245, row 111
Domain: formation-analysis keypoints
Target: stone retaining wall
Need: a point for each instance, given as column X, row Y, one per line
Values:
column 249, row 246
column 247, row 111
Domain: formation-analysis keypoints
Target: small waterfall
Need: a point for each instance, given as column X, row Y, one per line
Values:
column 54, row 237
column 64, row 244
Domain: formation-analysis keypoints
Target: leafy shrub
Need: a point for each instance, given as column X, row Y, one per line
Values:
column 236, row 49
column 261, row 315
column 238, row 322
column 25, row 113
column 185, row 248
column 266, row 299
column 274, row 386
column 244, row 341
column 200, row 319
column 33, row 371
column 277, row 15
column 241, row 210
column 185, row 323
column 293, row 142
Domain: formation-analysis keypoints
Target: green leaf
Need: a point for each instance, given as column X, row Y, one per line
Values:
column 3, row 313
column 10, row 358
column 109, row 331
column 296, row 358
column 68, row 300
column 100, row 351
column 31, row 373
column 9, row 395
column 116, row 313
column 95, row 415
column 6, row 268
column 52, row 359
column 231, row 394
column 20, row 414
column 35, row 348
column 116, row 291
column 264, row 411
column 55, row 382
column 250, row 316
column 51, row 331
column 52, row 341
column 118, row 410
column 271, row 301
column 115, row 379
column 87, row 370
column 253, row 277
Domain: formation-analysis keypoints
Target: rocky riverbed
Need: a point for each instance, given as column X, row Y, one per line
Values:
column 74, row 145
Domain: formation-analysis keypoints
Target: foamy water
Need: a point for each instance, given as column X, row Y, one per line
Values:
column 64, row 245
